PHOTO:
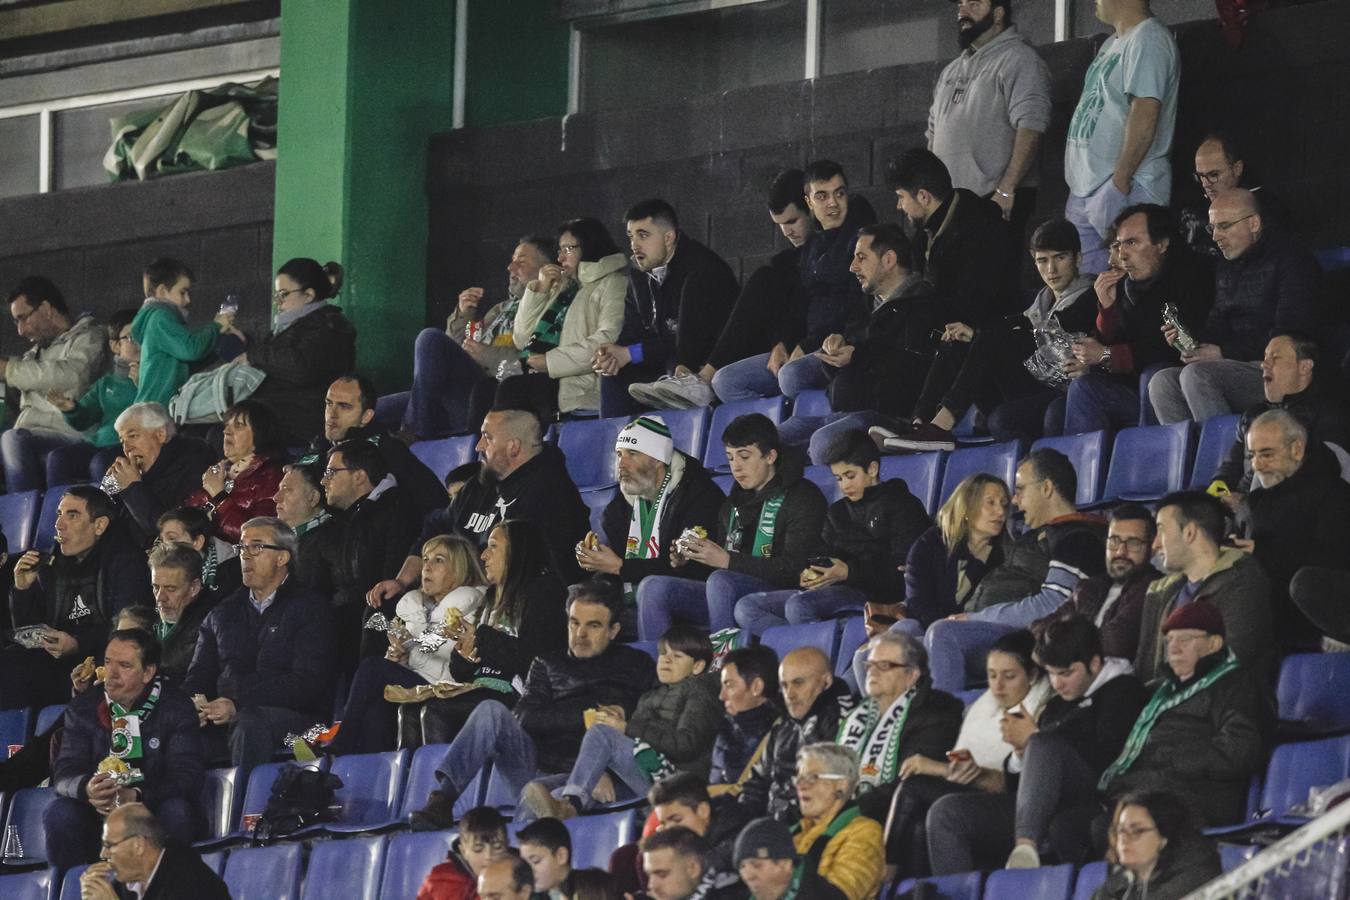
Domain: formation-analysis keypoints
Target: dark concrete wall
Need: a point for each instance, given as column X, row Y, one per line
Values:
column 1286, row 94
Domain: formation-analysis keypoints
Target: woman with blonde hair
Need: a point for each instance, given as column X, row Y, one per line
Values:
column 420, row 645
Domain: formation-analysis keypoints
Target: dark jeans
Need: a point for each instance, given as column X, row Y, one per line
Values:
column 450, row 392
column 255, row 733
column 970, row 831
column 1101, row 402
column 369, row 722
column 74, row 828
column 1054, row 777
column 443, row 719
column 1321, row 594
column 906, row 830
column 24, row 455
column 33, row 678
column 1028, row 418
column 983, row 372
column 78, row 463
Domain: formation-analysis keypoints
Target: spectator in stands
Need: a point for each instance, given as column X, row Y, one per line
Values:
column 265, row 654
column 1155, row 269
column 157, row 470
column 767, row 863
column 182, row 604
column 95, row 411
column 670, row 731
column 663, row 493
column 508, row 878
column 787, row 512
column 74, row 593
column 679, row 296
column 189, row 525
column 482, row 841
column 1060, row 547
column 518, row 621
column 1290, row 381
column 876, row 370
column 156, row 742
column 1295, row 515
column 834, row 299
column 1120, row 138
column 835, row 838
column 569, row 311
column 1198, row 566
column 948, row 561
column 242, row 485
column 544, row 735
column 1264, row 282
column 377, row 527
column 1153, row 847
column 168, row 346
column 299, row 500
column 990, row 108
column 682, row 801
column 867, row 537
column 142, row 618
column 455, row 371
column 749, row 687
column 675, row 862
column 140, row 851
column 1206, row 730
column 1219, row 167
column 521, row 477
column 815, row 705
column 1114, row 600
column 349, row 414
column 546, row 845
column 65, row 357
column 419, row 645
column 310, row 344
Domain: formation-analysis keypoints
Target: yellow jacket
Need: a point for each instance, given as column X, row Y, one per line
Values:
column 853, row 861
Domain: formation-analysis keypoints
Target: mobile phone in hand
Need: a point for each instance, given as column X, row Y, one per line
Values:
column 820, row 562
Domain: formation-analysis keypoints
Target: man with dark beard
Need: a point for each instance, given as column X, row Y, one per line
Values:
column 990, row 108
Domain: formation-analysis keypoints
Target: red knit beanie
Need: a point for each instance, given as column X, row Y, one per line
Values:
column 1200, row 615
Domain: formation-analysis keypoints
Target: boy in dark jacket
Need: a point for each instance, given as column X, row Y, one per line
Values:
column 765, row 533
column 867, row 536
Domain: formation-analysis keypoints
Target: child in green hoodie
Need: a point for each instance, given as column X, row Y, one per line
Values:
column 168, row 346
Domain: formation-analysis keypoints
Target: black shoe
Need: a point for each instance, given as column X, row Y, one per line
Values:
column 437, row 815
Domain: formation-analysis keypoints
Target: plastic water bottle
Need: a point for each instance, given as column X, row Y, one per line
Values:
column 13, row 846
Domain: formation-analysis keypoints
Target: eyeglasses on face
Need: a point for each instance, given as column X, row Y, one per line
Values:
column 253, row 548
column 333, row 470
column 1134, row 545
column 1134, row 832
column 808, row 781
column 884, row 665
column 1221, row 227
column 282, row 295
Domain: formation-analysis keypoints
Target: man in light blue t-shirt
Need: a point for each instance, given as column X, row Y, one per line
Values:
column 1120, row 136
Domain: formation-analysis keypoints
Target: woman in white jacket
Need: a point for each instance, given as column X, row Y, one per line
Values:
column 419, row 653
column 566, row 314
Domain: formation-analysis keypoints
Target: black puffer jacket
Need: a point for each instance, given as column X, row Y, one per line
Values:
column 966, row 251
column 374, row 539
column 680, row 721
column 1079, row 538
column 320, row 556
column 1274, row 286
column 561, row 687
column 771, row 309
column 176, row 473
column 769, row 791
column 505, row 653
column 738, row 737
column 694, row 500
column 301, row 362
column 1320, row 407
column 834, row 297
column 892, row 354
column 874, row 535
column 796, row 535
column 180, row 644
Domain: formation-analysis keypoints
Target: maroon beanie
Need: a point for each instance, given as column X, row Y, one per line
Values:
column 1200, row 615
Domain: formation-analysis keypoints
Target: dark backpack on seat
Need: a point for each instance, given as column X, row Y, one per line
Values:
column 301, row 796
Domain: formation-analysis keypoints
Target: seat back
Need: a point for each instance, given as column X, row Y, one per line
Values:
column 1216, row 436
column 957, row 886
column 440, row 456
column 812, row 403
column 852, row 634
column 995, row 459
column 588, row 445
column 1045, row 883
column 714, row 457
column 421, row 780
column 1090, row 877
column 18, row 517
column 784, row 638
column 48, row 716
column 349, row 868
column 28, row 886
column 688, row 428
column 13, row 729
column 409, row 858
column 724, row 483
column 1233, row 855
column 922, row 472
column 70, row 884
column 595, row 837
column 26, row 808
column 1148, row 462
column 372, row 786
column 1296, row 767
column 264, row 873
column 259, row 789
column 220, row 799
column 215, row 861
column 1312, row 691
column 44, row 534
column 1088, row 453
column 823, row 478
column 596, row 501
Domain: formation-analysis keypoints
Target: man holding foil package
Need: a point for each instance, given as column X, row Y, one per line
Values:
column 134, row 741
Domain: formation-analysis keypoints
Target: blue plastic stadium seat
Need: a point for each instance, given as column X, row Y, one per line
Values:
column 1296, row 767
column 966, row 431
column 70, row 884
column 958, row 886
column 409, row 858
column 595, row 837
column 783, row 638
column 725, row 482
column 1149, row 462
column 1045, row 883
column 922, row 472
column 421, row 780
column 1216, row 436
column 44, row 536
column 596, row 501
column 1233, row 855
column 714, row 456
column 588, row 445
column 1333, row 259
column 688, row 428
column 265, row 873
column 442, row 455
column 28, row 885
column 389, row 409
column 372, row 786
column 823, row 478
column 812, row 403
column 995, row 459
column 25, row 816
column 852, row 635
column 18, row 517
column 1090, row 877
column 970, row 696
column 1312, row 692
column 48, row 716
column 1088, row 453
column 349, row 868
column 220, row 799
column 259, row 788
column 13, row 729
column 215, row 861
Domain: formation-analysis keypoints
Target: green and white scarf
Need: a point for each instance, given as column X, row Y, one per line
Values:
column 548, row 332
column 1170, row 694
column 768, row 518
column 876, row 737
column 126, row 731
column 644, row 525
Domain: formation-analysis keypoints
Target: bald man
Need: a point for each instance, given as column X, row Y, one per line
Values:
column 508, row 878
column 815, row 703
column 1264, row 283
column 140, row 864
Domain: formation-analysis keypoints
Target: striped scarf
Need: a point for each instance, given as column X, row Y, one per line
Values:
column 548, row 333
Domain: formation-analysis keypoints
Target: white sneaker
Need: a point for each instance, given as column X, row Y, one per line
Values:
column 647, row 394
column 684, row 391
column 1023, row 856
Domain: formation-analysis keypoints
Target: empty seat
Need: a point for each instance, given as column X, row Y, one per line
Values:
column 595, row 837
column 812, row 403
column 265, row 873
column 1312, row 695
column 372, row 786
column 25, row 817
column 421, row 780
column 994, row 459
column 958, row 886
column 44, row 535
column 29, row 885
column 1216, row 436
column 588, row 445
column 408, row 859
column 18, row 516
column 1148, row 462
column 220, row 799
column 823, row 478
column 783, row 638
column 1045, row 883
column 48, row 716
column 445, row 454
column 922, row 472
column 688, row 428
column 13, row 729
column 714, row 456
column 1090, row 877
column 596, row 501
column 348, row 868
column 1296, row 767
column 1088, row 453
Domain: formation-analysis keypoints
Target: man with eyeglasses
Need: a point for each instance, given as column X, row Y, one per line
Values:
column 145, row 859
column 265, row 655
column 1265, row 283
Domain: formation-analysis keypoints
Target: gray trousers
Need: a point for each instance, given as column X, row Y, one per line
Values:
column 1202, row 390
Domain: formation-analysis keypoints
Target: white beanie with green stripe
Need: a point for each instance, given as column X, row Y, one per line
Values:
column 649, row 436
